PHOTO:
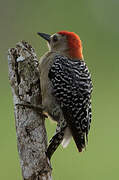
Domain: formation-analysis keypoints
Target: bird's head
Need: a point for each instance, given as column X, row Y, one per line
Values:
column 65, row 43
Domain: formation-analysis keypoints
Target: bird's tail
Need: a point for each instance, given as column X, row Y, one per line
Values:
column 80, row 141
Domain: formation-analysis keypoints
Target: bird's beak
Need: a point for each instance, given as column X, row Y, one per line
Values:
column 44, row 36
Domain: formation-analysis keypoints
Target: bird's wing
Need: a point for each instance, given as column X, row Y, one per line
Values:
column 72, row 87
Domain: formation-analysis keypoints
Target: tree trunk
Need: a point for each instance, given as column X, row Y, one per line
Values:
column 30, row 124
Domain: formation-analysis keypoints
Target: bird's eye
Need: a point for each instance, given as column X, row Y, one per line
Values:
column 55, row 38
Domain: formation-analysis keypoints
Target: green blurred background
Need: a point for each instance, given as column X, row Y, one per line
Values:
column 97, row 23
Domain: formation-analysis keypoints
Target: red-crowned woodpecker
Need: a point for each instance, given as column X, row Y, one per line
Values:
column 66, row 88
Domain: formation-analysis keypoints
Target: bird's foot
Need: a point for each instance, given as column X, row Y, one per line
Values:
column 37, row 108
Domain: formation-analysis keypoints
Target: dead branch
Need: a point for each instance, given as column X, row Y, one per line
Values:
column 30, row 125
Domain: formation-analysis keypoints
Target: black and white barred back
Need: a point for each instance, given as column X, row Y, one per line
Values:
column 72, row 87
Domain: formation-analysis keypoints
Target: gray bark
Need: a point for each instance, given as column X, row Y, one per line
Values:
column 30, row 125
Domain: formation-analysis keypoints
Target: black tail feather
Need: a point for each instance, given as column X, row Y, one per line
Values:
column 55, row 142
column 79, row 141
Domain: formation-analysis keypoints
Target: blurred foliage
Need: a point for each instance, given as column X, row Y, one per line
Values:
column 97, row 24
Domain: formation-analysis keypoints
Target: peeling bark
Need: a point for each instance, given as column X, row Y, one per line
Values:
column 30, row 125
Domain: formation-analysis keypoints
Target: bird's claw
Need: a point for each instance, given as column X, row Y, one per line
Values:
column 37, row 108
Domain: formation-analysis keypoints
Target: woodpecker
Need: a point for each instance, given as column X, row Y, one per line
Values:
column 66, row 89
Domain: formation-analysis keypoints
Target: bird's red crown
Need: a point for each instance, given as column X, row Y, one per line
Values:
column 75, row 45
